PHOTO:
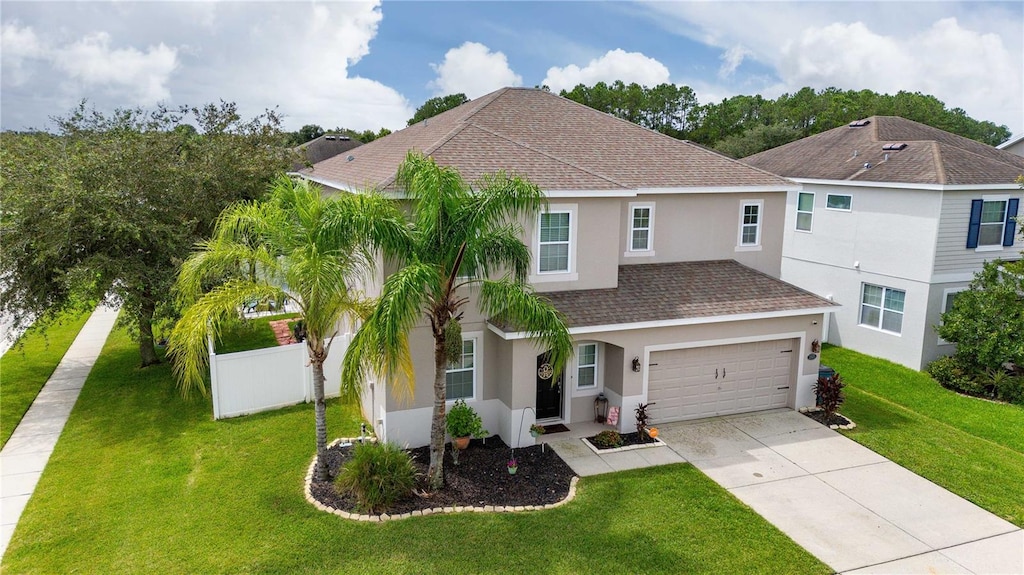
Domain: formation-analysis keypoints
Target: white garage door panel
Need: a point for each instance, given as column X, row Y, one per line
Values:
column 682, row 383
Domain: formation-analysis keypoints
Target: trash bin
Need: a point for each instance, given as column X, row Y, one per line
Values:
column 826, row 372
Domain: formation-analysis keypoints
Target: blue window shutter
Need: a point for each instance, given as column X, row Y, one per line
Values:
column 975, row 228
column 1011, row 228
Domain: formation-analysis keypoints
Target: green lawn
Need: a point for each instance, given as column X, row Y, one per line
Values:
column 143, row 481
column 973, row 447
column 25, row 367
column 250, row 334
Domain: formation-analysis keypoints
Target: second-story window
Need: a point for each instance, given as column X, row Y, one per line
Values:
column 554, row 242
column 804, row 211
column 750, row 223
column 640, row 229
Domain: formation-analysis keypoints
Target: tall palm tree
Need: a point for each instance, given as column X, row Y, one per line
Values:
column 297, row 245
column 458, row 237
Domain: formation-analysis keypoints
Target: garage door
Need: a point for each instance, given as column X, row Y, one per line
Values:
column 719, row 380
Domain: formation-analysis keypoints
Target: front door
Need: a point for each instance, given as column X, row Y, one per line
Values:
column 549, row 390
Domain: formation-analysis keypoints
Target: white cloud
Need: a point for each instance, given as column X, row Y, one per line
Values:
column 968, row 55
column 731, row 59
column 142, row 75
column 18, row 44
column 615, row 65
column 473, row 70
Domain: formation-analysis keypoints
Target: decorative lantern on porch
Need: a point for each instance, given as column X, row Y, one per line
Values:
column 600, row 408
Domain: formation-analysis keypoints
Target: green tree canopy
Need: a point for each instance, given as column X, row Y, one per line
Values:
column 113, row 203
column 315, row 245
column 435, row 106
column 458, row 237
column 987, row 321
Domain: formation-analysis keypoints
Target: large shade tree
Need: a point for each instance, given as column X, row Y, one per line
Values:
column 112, row 203
column 297, row 245
column 458, row 237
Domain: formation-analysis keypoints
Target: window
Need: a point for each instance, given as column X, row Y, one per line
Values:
column 586, row 369
column 750, row 223
column 838, row 202
column 461, row 375
column 804, row 211
column 882, row 308
column 641, row 221
column 947, row 304
column 993, row 222
column 554, row 242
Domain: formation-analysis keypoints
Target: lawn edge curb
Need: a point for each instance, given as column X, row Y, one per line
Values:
column 308, row 484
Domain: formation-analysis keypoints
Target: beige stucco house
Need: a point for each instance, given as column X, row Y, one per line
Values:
column 663, row 256
column 893, row 219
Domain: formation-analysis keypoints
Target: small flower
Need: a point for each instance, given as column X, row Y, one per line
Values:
column 513, row 463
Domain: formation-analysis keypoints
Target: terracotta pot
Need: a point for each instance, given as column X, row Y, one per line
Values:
column 461, row 442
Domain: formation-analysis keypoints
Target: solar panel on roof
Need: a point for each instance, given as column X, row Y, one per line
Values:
column 894, row 147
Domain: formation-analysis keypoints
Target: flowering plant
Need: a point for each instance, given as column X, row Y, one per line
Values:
column 513, row 463
column 536, row 430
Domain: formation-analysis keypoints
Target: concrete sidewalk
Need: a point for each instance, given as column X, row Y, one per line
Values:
column 852, row 508
column 25, row 455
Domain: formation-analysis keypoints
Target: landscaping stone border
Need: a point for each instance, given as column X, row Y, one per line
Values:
column 852, row 425
column 421, row 512
column 656, row 443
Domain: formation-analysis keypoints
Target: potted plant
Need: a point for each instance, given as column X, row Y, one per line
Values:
column 536, row 430
column 463, row 423
column 513, row 466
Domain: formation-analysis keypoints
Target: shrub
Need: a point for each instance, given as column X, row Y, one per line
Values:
column 952, row 374
column 378, row 475
column 829, row 391
column 462, row 421
column 607, row 439
column 1011, row 389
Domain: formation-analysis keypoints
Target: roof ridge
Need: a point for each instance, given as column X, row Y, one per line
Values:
column 551, row 156
column 940, row 166
column 460, row 125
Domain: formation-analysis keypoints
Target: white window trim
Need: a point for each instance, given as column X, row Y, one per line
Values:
column 556, row 276
column 997, row 247
column 861, row 304
column 630, row 252
column 476, row 337
column 945, row 297
column 756, row 246
column 827, row 196
column 796, row 223
column 598, row 372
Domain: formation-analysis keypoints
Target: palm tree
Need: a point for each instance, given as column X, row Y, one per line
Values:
column 459, row 237
column 297, row 245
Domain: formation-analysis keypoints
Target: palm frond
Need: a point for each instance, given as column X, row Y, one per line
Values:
column 519, row 306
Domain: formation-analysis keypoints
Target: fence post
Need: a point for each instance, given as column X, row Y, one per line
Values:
column 213, row 377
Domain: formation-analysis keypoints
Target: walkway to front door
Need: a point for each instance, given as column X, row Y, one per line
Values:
column 852, row 508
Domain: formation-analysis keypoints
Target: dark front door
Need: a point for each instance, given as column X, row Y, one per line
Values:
column 549, row 390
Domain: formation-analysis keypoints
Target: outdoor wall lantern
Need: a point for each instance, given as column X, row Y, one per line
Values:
column 636, row 364
column 816, row 346
column 600, row 408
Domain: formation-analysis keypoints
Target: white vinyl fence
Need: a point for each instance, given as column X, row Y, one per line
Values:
column 265, row 379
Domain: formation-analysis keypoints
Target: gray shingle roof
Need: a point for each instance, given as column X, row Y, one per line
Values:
column 932, row 156
column 322, row 148
column 682, row 290
column 555, row 142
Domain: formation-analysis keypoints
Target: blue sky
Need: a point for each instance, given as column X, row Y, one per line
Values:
column 367, row 65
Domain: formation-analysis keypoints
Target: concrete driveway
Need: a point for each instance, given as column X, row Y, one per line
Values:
column 852, row 508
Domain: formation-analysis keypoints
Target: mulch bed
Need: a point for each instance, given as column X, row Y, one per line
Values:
column 628, row 439
column 481, row 478
column 836, row 419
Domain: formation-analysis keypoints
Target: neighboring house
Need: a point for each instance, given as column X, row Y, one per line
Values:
column 893, row 220
column 1013, row 145
column 322, row 148
column 662, row 255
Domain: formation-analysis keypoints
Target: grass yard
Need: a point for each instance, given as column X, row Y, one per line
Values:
column 143, row 481
column 973, row 447
column 250, row 334
column 25, row 367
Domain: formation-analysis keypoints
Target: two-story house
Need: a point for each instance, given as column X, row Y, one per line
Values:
column 894, row 218
column 662, row 255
